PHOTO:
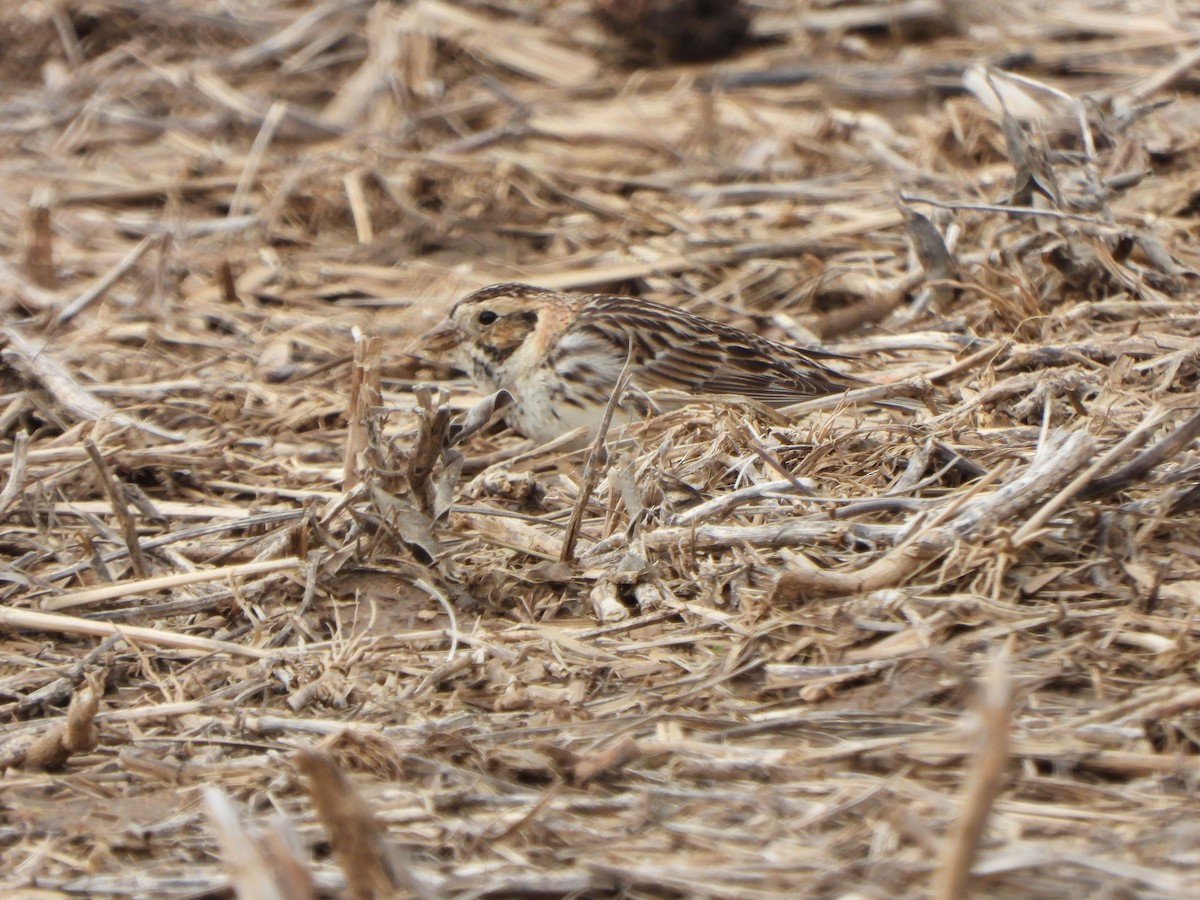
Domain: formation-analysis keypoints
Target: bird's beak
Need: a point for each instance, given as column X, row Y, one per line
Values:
column 439, row 340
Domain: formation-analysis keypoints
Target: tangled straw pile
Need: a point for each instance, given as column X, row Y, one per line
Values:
column 272, row 618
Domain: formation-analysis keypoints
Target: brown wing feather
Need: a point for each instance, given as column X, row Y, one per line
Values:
column 681, row 351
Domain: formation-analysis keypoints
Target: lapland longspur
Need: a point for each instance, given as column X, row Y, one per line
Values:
column 560, row 356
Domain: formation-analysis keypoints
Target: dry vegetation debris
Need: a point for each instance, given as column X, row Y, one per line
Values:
column 261, row 591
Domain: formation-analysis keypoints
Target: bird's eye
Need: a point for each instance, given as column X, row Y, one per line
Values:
column 487, row 317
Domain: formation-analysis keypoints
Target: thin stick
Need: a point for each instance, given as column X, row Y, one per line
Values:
column 55, row 623
column 295, row 620
column 1008, row 210
column 373, row 865
column 359, row 210
column 1077, row 484
column 101, row 287
column 365, row 394
column 979, row 358
column 254, row 158
column 276, row 517
column 16, row 473
column 449, row 610
column 120, row 508
column 597, row 458
column 143, row 586
column 39, row 247
column 871, row 394
column 241, row 849
column 983, row 784
column 1142, row 462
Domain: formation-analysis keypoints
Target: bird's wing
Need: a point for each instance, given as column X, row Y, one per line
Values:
column 680, row 351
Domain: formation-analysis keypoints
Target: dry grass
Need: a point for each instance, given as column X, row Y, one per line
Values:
column 849, row 652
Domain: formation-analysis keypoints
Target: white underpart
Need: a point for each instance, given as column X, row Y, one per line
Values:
column 539, row 413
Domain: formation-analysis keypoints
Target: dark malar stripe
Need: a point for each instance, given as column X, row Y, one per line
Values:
column 499, row 354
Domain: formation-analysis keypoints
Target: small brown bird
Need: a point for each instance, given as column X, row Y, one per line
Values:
column 560, row 356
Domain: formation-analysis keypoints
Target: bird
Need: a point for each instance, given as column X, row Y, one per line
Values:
column 560, row 357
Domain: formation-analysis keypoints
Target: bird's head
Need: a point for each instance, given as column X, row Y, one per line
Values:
column 489, row 330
